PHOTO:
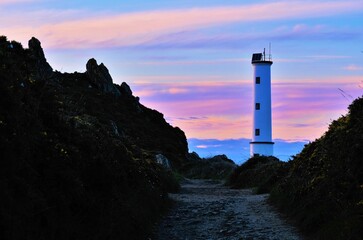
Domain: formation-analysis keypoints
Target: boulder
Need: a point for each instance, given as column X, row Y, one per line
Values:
column 100, row 77
column 162, row 160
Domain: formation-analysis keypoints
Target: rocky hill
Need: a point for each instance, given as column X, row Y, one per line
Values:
column 78, row 153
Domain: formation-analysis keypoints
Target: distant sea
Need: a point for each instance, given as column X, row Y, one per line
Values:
column 238, row 149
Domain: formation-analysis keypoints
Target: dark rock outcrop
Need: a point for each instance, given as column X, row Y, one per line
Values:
column 100, row 77
column 43, row 70
column 36, row 50
column 126, row 89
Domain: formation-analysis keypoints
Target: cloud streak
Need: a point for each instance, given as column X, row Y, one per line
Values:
column 353, row 67
column 11, row 2
column 134, row 29
column 190, row 39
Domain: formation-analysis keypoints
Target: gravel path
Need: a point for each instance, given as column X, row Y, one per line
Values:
column 206, row 209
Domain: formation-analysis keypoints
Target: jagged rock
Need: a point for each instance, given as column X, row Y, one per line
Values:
column 126, row 89
column 36, row 49
column 162, row 160
column 193, row 157
column 100, row 77
column 43, row 70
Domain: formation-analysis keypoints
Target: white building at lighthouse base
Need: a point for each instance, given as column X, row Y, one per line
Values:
column 261, row 148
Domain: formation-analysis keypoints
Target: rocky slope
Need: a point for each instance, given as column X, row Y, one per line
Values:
column 78, row 152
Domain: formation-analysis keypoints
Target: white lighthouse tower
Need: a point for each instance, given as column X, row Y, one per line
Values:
column 262, row 127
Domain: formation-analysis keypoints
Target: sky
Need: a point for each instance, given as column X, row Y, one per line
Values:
column 191, row 59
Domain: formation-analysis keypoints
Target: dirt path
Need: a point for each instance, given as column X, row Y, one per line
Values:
column 208, row 210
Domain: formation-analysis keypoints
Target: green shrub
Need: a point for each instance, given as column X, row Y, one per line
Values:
column 323, row 189
column 218, row 167
column 258, row 172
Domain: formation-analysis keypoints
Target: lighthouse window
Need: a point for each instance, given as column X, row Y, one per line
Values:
column 258, row 106
column 257, row 132
column 258, row 80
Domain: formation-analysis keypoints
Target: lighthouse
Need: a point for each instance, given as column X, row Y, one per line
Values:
column 261, row 143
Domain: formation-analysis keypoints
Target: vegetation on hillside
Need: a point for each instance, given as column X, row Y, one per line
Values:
column 78, row 156
column 323, row 190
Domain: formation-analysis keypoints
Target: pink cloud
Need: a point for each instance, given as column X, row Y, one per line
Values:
column 196, row 62
column 180, row 80
column 302, row 109
column 175, row 90
column 328, row 57
column 202, row 146
column 303, row 28
column 132, row 29
column 305, row 59
column 209, row 146
column 324, row 82
column 218, row 127
column 353, row 67
column 8, row 2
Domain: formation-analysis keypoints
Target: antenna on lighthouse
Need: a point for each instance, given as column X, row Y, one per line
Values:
column 264, row 54
column 269, row 52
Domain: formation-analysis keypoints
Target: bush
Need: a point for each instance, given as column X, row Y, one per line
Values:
column 218, row 167
column 258, row 172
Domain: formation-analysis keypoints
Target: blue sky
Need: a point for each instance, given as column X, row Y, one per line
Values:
column 191, row 59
